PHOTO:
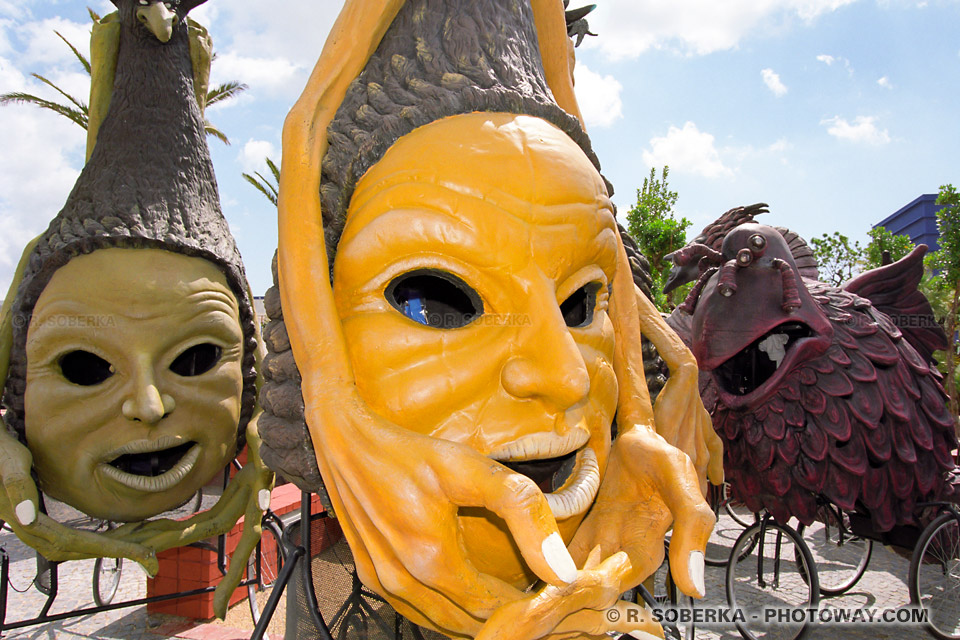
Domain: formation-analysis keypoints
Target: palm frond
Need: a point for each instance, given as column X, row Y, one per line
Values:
column 225, row 91
column 77, row 103
column 216, row 133
column 262, row 187
column 76, row 52
column 75, row 115
column 275, row 170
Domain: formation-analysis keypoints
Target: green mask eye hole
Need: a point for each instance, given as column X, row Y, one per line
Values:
column 435, row 299
column 578, row 309
column 84, row 368
column 196, row 360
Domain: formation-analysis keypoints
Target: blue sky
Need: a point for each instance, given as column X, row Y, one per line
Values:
column 835, row 112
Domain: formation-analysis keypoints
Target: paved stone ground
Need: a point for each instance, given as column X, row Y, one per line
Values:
column 883, row 586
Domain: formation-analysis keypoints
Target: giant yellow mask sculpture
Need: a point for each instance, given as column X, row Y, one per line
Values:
column 461, row 374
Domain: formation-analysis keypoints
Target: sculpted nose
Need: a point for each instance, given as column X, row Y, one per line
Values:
column 145, row 403
column 560, row 378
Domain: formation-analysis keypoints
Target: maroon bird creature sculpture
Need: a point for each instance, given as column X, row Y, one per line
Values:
column 817, row 391
column 712, row 235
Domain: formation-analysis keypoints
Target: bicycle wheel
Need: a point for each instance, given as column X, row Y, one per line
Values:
column 935, row 576
column 840, row 556
column 768, row 585
column 725, row 531
column 737, row 511
column 269, row 557
column 106, row 579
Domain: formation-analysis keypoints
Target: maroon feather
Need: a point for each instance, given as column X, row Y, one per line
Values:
column 943, row 447
column 851, row 455
column 921, row 431
column 901, row 478
column 835, row 421
column 813, row 440
column 803, row 506
column 907, row 380
column 926, row 472
column 775, row 403
column 860, row 368
column 894, row 398
column 836, row 384
column 843, row 338
column 879, row 348
column 789, row 448
column 911, row 357
column 878, row 442
column 808, row 376
column 874, row 489
column 813, row 400
column 775, row 426
column 842, row 488
column 793, row 414
column 903, row 443
column 752, row 432
column 860, row 325
column 761, row 454
column 838, row 355
column 791, row 390
column 809, row 474
column 778, row 478
column 934, row 403
column 867, row 404
column 882, row 517
column 777, row 508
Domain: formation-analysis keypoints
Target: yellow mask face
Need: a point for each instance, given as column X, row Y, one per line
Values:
column 133, row 381
column 472, row 282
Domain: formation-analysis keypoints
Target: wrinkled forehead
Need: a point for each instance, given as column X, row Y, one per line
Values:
column 518, row 163
column 139, row 282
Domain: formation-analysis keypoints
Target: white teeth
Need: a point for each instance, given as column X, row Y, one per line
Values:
column 154, row 484
column 775, row 347
column 579, row 495
column 541, row 446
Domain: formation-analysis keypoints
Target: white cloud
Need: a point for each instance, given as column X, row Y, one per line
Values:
column 266, row 74
column 251, row 157
column 863, row 130
column 37, row 171
column 629, row 27
column 687, row 150
column 885, row 82
column 44, row 47
column 598, row 97
column 772, row 80
column 830, row 60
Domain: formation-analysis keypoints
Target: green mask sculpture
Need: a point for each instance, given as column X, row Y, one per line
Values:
column 130, row 331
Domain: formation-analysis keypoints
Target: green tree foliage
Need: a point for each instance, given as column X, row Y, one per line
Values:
column 882, row 240
column 838, row 258
column 269, row 187
column 652, row 223
column 77, row 111
column 947, row 261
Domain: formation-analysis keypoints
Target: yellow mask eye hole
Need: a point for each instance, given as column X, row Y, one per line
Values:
column 196, row 360
column 578, row 309
column 435, row 299
column 84, row 368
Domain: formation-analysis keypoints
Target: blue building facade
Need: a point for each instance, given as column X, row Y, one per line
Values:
column 917, row 220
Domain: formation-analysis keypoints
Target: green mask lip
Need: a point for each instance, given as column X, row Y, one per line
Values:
column 154, row 483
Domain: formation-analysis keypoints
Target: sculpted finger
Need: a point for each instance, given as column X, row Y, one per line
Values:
column 622, row 617
column 521, row 504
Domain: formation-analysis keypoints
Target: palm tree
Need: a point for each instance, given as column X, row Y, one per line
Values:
column 270, row 189
column 77, row 111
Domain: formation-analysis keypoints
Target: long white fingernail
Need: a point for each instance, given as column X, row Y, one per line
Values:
column 696, row 571
column 263, row 498
column 642, row 635
column 559, row 559
column 26, row 513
